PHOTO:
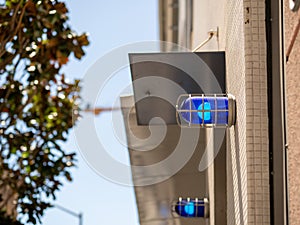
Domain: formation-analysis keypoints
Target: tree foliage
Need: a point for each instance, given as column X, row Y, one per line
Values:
column 38, row 105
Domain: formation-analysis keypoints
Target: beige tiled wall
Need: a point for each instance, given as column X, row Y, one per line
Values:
column 237, row 206
column 257, row 113
column 243, row 36
column 247, row 80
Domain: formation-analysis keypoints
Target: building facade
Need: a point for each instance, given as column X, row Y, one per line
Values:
column 251, row 33
column 242, row 35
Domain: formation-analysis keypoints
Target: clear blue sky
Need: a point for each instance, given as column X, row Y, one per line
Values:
column 110, row 24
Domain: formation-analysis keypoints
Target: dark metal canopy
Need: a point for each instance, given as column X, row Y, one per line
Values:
column 159, row 78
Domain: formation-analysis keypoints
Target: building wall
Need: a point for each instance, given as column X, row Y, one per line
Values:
column 208, row 15
column 242, row 34
column 293, row 115
column 236, row 78
column 257, row 113
column 244, row 39
column 228, row 17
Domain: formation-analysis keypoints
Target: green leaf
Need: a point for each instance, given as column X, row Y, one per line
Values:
column 8, row 4
column 25, row 155
column 28, row 169
column 14, row 149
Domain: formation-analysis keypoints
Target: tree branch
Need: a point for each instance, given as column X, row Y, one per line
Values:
column 10, row 38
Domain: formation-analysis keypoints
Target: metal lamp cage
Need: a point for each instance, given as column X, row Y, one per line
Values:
column 206, row 110
column 201, row 208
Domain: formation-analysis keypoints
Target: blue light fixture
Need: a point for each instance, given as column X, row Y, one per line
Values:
column 191, row 207
column 206, row 110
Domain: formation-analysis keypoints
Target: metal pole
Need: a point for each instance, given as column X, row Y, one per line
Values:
column 210, row 173
column 79, row 216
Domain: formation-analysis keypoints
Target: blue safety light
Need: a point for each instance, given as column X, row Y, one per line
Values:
column 206, row 110
column 191, row 207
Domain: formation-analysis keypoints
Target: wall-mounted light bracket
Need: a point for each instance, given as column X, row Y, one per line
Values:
column 211, row 33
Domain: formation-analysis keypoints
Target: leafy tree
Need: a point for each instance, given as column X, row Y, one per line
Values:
column 38, row 105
